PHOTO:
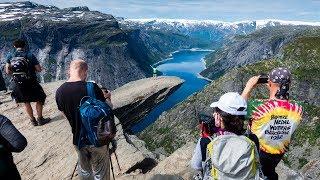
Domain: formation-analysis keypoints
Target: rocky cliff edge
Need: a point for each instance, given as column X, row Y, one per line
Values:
column 50, row 153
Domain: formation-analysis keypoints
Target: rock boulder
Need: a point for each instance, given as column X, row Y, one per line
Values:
column 134, row 100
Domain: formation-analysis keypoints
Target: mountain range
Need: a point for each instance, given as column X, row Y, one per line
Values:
column 56, row 36
column 211, row 32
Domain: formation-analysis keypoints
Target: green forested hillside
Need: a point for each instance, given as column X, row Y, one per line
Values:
column 301, row 56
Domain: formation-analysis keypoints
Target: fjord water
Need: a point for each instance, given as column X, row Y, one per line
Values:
column 186, row 64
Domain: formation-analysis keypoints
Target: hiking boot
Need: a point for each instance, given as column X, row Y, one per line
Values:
column 34, row 122
column 42, row 121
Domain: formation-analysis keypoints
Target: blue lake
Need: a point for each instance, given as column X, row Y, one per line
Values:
column 186, row 64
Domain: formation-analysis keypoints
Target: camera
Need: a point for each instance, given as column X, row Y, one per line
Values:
column 263, row 79
column 207, row 121
column 204, row 118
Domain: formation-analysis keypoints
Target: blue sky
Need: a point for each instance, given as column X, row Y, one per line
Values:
column 225, row 10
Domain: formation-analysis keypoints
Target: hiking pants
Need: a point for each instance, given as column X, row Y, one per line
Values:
column 93, row 163
column 269, row 163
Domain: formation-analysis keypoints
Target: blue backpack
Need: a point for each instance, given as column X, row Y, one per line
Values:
column 97, row 120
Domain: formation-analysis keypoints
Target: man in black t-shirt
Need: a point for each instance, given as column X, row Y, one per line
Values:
column 93, row 161
column 30, row 90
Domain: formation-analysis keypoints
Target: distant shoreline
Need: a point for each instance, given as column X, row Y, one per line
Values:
column 172, row 53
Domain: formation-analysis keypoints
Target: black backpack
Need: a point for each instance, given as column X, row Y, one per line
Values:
column 20, row 66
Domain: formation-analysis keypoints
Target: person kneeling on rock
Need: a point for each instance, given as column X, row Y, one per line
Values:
column 229, row 154
column 92, row 121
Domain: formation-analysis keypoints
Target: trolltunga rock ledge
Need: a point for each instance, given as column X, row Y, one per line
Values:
column 136, row 99
column 50, row 153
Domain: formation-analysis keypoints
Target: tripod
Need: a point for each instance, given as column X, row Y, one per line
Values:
column 115, row 154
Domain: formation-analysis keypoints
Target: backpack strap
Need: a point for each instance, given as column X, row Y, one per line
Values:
column 90, row 89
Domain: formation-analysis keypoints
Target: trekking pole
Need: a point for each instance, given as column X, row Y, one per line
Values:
column 111, row 167
column 74, row 170
column 115, row 154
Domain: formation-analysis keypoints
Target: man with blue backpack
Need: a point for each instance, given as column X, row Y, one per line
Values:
column 91, row 119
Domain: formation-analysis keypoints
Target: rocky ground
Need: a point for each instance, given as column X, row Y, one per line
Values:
column 50, row 153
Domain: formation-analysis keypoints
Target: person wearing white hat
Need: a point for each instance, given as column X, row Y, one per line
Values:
column 229, row 115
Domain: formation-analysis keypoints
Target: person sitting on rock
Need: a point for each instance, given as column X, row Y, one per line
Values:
column 93, row 161
column 229, row 153
column 11, row 140
column 23, row 67
column 274, row 120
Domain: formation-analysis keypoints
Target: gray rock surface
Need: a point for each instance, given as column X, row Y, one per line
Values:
column 174, row 167
column 312, row 169
column 178, row 163
column 286, row 173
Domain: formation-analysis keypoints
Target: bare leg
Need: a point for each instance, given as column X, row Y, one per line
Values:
column 39, row 108
column 29, row 110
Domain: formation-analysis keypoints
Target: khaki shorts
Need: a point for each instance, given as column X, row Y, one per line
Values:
column 93, row 163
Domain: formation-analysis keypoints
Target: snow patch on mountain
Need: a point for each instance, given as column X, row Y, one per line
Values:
column 17, row 10
column 191, row 23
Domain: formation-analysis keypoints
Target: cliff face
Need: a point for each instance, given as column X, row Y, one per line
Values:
column 247, row 49
column 135, row 100
column 57, row 36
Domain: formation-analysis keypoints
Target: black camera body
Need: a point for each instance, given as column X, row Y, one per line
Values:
column 208, row 121
column 205, row 118
column 263, row 79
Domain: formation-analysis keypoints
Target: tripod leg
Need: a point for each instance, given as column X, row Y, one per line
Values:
column 111, row 167
column 115, row 154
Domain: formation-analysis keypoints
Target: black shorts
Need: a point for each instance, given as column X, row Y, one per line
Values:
column 28, row 92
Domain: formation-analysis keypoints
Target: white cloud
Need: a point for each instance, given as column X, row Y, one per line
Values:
column 199, row 9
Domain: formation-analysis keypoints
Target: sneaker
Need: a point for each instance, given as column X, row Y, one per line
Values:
column 34, row 122
column 42, row 121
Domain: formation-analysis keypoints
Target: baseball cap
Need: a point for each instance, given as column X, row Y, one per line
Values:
column 280, row 75
column 231, row 103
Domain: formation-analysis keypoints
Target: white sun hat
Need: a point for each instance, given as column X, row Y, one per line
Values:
column 231, row 103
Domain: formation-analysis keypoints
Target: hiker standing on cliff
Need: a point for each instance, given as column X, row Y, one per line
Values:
column 154, row 71
column 23, row 67
column 80, row 101
column 273, row 120
column 11, row 140
column 228, row 154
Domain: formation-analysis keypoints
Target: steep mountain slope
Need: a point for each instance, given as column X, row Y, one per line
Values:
column 179, row 125
column 209, row 32
column 57, row 36
column 260, row 45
